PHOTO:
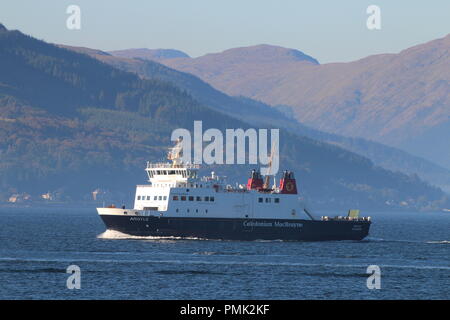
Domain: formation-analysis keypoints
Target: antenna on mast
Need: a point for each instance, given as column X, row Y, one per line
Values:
column 267, row 177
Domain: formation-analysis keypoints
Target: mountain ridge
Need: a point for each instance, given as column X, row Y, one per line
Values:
column 393, row 159
column 390, row 98
column 152, row 54
column 79, row 124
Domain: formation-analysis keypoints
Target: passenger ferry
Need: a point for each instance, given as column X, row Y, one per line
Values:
column 178, row 203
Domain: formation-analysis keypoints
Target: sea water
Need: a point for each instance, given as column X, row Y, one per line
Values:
column 37, row 245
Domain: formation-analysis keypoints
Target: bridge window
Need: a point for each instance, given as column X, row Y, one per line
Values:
column 260, row 200
column 139, row 197
column 175, row 198
column 191, row 198
column 211, row 199
column 277, row 200
column 268, row 200
column 199, row 198
column 206, row 198
column 183, row 198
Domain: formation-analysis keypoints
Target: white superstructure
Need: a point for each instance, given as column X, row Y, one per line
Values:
column 176, row 190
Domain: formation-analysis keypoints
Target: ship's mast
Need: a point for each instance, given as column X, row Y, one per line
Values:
column 175, row 153
column 267, row 177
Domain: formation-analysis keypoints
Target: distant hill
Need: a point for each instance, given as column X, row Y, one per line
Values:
column 72, row 123
column 258, row 113
column 151, row 54
column 402, row 100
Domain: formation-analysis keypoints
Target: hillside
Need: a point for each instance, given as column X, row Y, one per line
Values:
column 71, row 123
column 397, row 99
column 258, row 113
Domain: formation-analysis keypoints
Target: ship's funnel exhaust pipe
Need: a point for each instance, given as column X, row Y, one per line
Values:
column 287, row 183
column 255, row 182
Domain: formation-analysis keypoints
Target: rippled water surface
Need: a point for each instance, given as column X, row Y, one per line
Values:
column 38, row 244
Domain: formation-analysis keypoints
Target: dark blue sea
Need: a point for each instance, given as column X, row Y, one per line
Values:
column 38, row 244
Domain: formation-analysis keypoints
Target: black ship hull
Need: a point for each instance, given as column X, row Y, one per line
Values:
column 238, row 229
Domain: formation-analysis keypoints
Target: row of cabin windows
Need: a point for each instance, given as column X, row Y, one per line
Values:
column 155, row 198
column 196, row 185
column 167, row 172
column 269, row 200
column 187, row 210
column 183, row 173
column 191, row 198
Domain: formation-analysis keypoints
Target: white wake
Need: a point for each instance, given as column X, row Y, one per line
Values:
column 117, row 235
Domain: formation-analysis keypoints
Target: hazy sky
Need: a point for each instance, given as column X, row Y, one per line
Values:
column 327, row 30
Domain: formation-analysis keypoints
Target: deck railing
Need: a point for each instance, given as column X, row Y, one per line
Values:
column 169, row 165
